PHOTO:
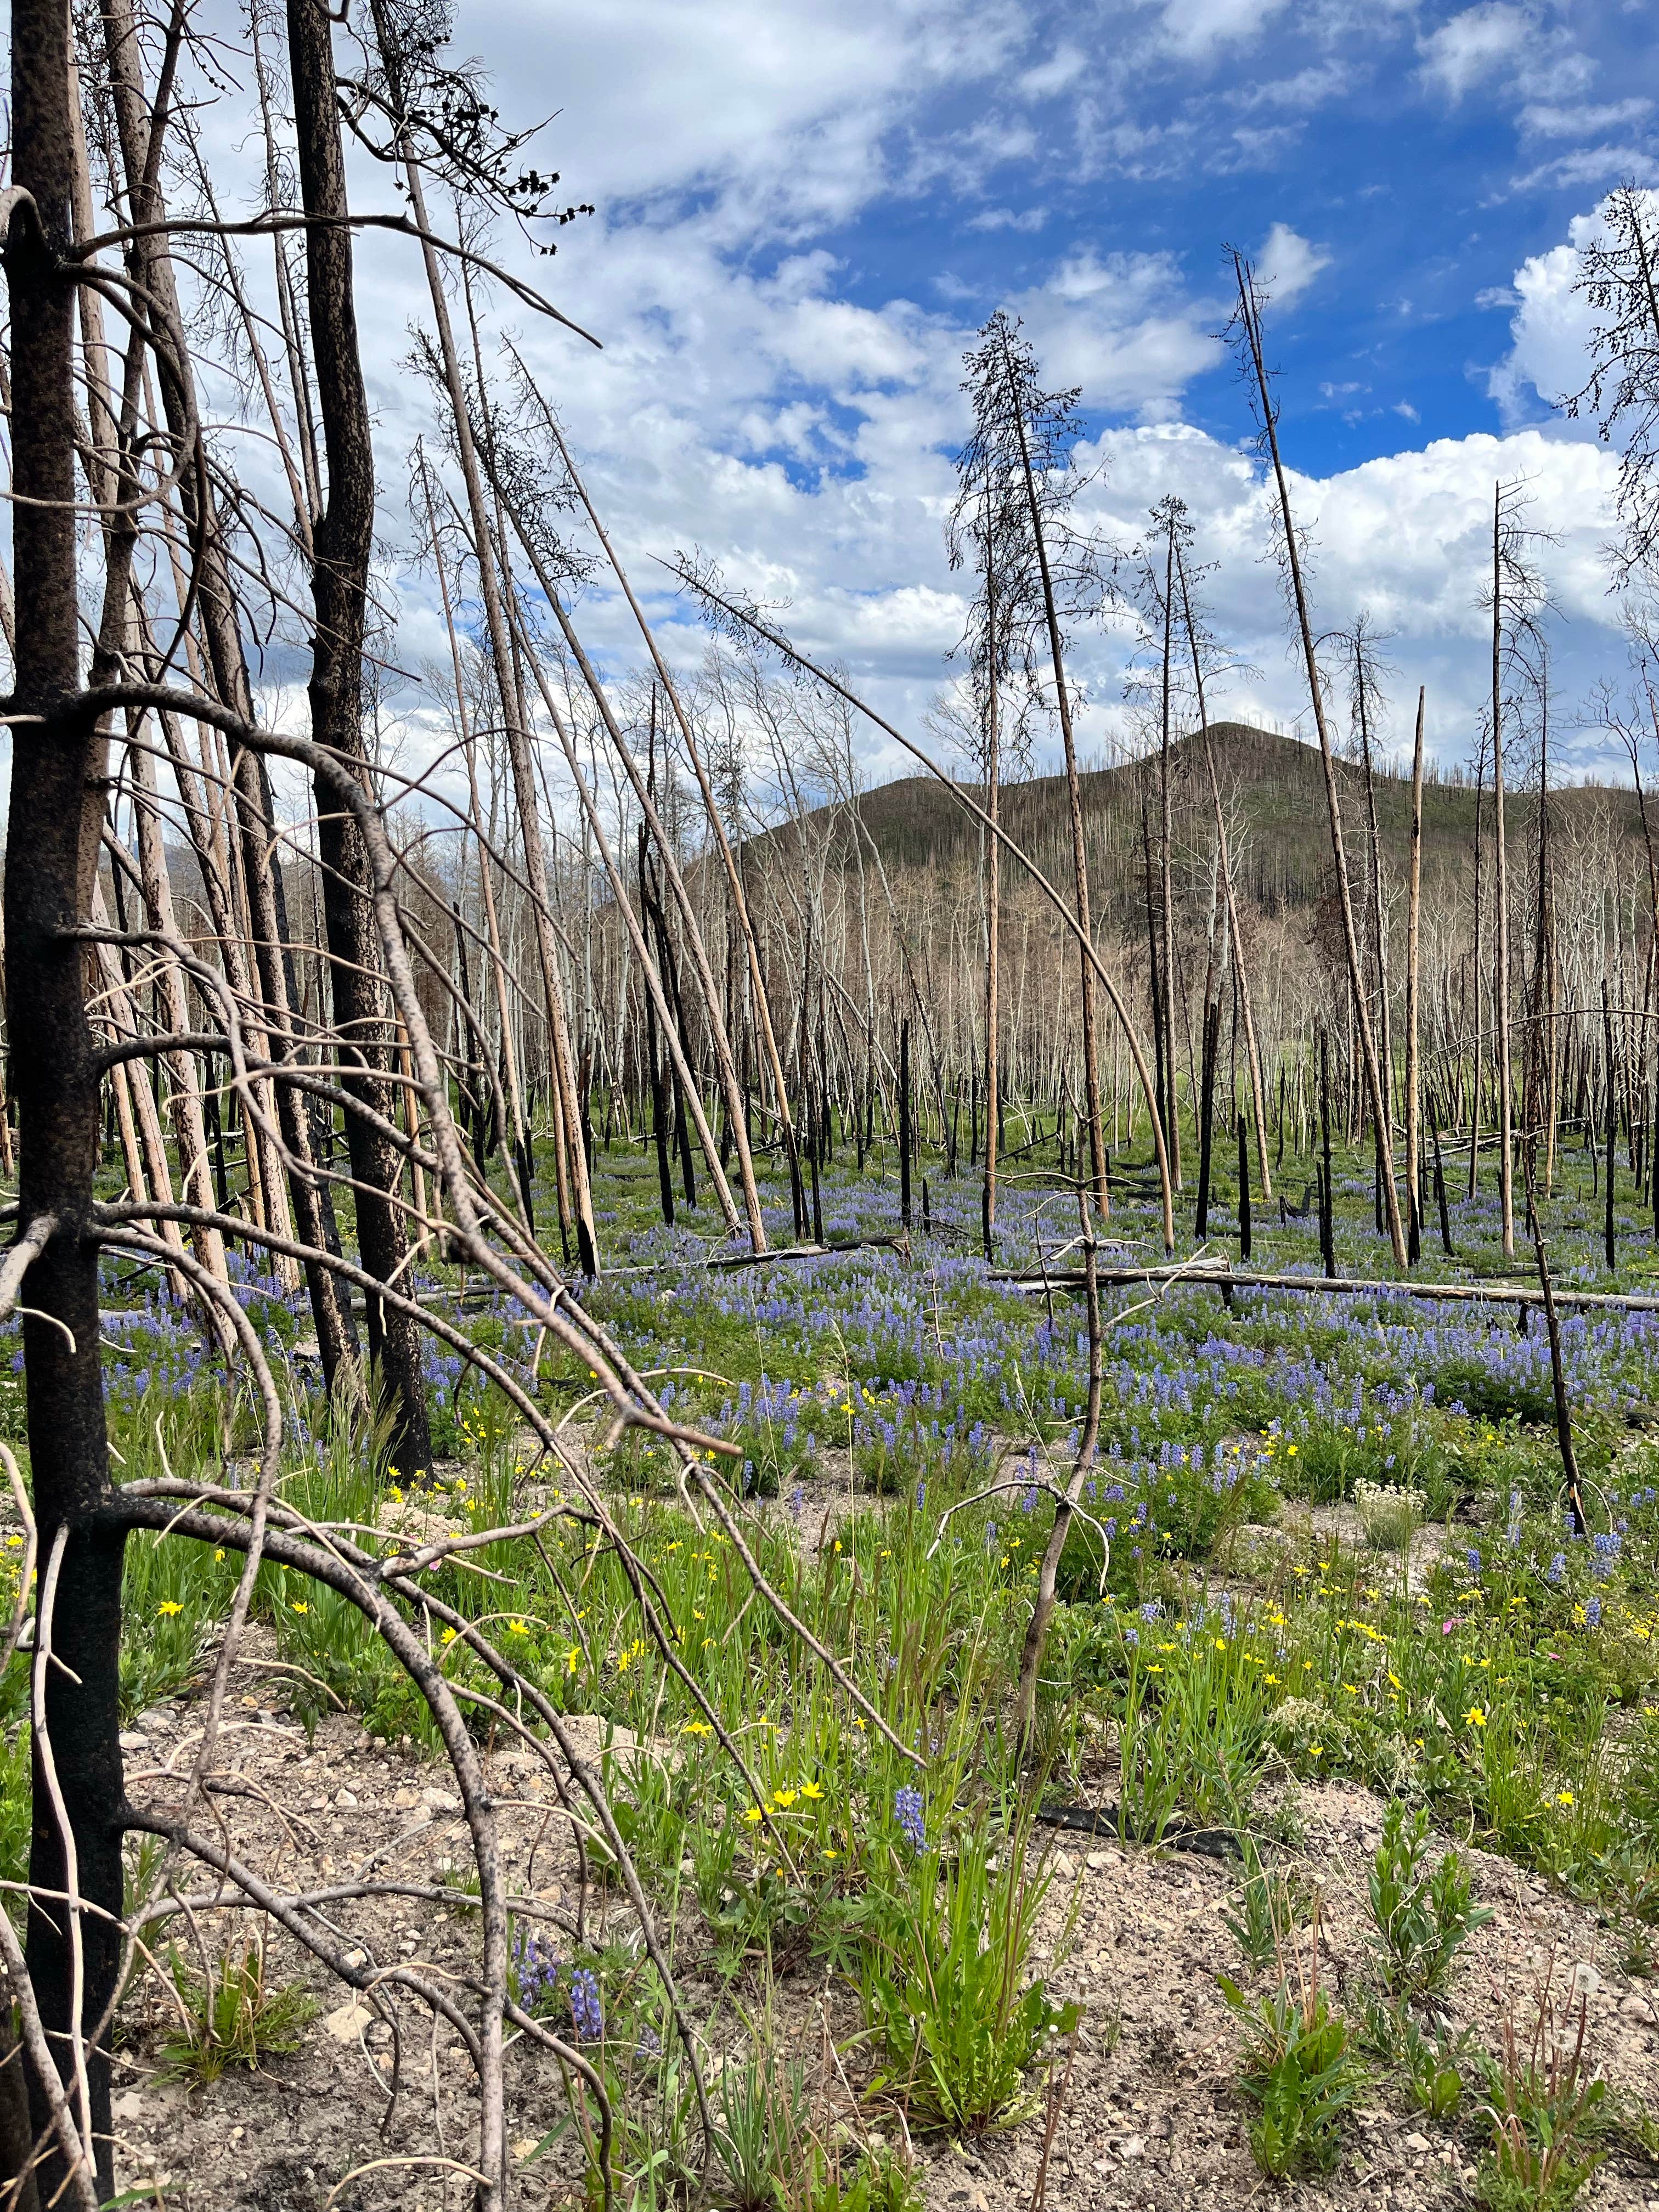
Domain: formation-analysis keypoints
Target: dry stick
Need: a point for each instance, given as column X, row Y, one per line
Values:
column 1074, row 798
column 1219, row 1274
column 732, row 1090
column 1163, row 985
column 189, row 1127
column 77, row 2158
column 1378, row 934
column 1505, row 1071
column 130, row 1509
column 1413, row 921
column 781, row 645
column 993, row 903
column 18, row 1260
column 519, row 1146
column 1557, row 1370
column 734, row 874
column 1036, row 1630
column 1612, row 1130
column 47, row 1766
column 1252, row 1049
column 636, row 937
column 1250, row 315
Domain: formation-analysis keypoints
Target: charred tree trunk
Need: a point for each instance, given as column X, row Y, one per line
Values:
column 52, row 858
column 341, row 542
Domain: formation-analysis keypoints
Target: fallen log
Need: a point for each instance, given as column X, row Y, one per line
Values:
column 1211, row 1275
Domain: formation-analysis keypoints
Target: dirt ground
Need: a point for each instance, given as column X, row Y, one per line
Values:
column 1153, row 2117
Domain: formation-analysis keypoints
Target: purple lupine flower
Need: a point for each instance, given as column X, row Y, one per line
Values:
column 1557, row 1568
column 585, row 2011
column 1592, row 1612
column 536, row 1969
column 911, row 1815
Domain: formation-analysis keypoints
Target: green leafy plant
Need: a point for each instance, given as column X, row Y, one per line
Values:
column 944, row 1989
column 15, row 1819
column 763, row 2118
column 1268, row 1904
column 873, row 2179
column 232, row 2016
column 1545, row 2099
column 1431, row 2060
column 1420, row 1919
column 1300, row 2071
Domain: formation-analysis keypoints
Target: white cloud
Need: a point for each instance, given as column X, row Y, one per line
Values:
column 782, row 111
column 1197, row 27
column 1288, row 264
column 1482, row 42
column 1062, row 67
column 1002, row 218
column 1549, row 357
column 1548, row 119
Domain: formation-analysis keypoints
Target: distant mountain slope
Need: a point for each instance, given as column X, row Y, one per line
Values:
column 1273, row 789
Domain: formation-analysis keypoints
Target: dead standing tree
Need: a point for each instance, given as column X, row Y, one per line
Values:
column 1248, row 332
column 342, row 538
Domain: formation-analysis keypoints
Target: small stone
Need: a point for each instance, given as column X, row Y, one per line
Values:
column 1417, row 2143
column 404, row 1798
column 1635, row 2006
column 130, row 2106
column 344, row 1801
column 1132, row 2147
column 439, row 1801
column 348, row 2020
column 1064, row 1867
column 130, row 1739
column 358, row 1956
column 1096, row 1862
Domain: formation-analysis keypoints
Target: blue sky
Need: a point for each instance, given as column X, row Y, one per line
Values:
column 806, row 208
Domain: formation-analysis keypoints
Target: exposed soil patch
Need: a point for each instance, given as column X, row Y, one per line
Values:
column 1153, row 2117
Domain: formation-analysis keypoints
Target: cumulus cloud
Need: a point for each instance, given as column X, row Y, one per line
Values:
column 761, row 394
column 1288, row 264
column 1549, row 357
column 1483, row 42
column 780, row 113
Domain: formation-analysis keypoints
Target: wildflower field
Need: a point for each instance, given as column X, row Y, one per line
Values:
column 1326, row 1558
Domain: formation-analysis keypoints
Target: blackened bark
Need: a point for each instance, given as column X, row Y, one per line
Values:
column 57, row 810
column 1440, row 1188
column 1244, row 1192
column 904, row 1124
column 341, row 540
column 1327, row 1195
column 1207, row 1114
